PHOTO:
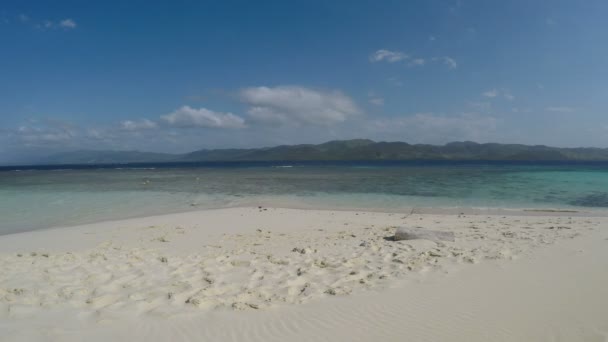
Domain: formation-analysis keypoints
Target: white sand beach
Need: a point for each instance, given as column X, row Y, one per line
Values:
column 271, row 274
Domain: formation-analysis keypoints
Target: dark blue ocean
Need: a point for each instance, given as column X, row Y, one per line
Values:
column 47, row 196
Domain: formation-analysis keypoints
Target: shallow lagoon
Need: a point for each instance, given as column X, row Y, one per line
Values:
column 42, row 197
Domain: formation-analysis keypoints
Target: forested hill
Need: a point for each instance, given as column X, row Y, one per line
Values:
column 358, row 149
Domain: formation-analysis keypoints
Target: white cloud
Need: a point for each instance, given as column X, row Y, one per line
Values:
column 388, row 56
column 298, row 105
column 481, row 106
column 378, row 101
column 450, row 62
column 521, row 110
column 397, row 56
column 499, row 92
column 94, row 133
column 417, row 62
column 42, row 134
column 186, row 117
column 67, row 24
column 560, row 109
column 45, row 137
column 490, row 93
column 395, row 81
column 142, row 124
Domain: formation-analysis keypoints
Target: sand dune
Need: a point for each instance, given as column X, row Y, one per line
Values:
column 280, row 274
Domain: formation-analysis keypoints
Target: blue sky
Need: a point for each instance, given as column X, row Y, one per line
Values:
column 184, row 75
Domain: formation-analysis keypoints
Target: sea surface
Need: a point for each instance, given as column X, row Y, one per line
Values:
column 48, row 196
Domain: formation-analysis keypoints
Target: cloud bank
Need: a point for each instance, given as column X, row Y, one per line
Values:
column 137, row 125
column 188, row 117
column 384, row 55
column 388, row 56
column 297, row 105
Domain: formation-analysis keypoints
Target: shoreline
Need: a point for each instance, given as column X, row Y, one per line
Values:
column 575, row 212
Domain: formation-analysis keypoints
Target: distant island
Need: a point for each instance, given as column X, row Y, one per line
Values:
column 345, row 150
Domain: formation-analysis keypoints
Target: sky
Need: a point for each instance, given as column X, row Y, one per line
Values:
column 178, row 76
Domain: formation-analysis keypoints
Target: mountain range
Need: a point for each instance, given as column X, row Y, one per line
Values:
column 357, row 149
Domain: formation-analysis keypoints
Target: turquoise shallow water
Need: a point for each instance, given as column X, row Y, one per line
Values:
column 35, row 199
